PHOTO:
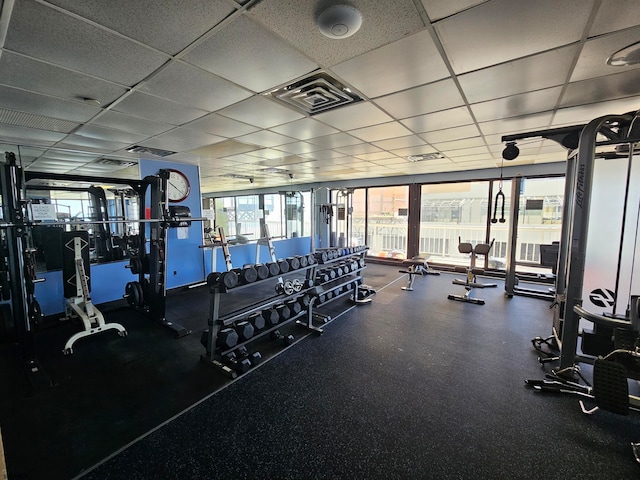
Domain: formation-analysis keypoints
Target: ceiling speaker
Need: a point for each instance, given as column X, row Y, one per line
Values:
column 339, row 21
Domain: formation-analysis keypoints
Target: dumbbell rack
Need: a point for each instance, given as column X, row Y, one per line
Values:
column 214, row 355
column 339, row 287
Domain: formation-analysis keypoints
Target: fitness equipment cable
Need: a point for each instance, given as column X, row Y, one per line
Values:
column 499, row 196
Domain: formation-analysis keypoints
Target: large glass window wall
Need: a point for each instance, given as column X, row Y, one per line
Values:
column 387, row 221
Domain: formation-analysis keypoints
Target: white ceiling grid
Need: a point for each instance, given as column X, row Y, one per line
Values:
column 449, row 76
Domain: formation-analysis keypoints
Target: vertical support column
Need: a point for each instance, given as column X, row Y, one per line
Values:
column 510, row 277
column 413, row 220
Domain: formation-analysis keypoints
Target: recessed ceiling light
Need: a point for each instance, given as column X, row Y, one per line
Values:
column 91, row 101
column 625, row 57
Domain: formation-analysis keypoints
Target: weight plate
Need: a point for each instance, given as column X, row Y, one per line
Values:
column 140, row 296
column 297, row 285
column 131, row 294
column 288, row 288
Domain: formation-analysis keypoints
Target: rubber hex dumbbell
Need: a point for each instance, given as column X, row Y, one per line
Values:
column 226, row 280
column 274, row 269
column 271, row 316
column 294, row 307
column 255, row 357
column 322, row 276
column 244, row 330
column 294, row 263
column 304, row 300
column 262, row 270
column 240, row 365
column 257, row 320
column 284, row 266
column 283, row 312
column 287, row 340
column 227, row 338
column 246, row 274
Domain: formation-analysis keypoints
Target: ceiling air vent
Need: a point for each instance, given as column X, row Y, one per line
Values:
column 315, row 93
column 238, row 176
column 282, row 171
column 153, row 151
column 116, row 163
column 425, row 156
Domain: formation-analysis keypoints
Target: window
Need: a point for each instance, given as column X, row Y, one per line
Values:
column 387, row 214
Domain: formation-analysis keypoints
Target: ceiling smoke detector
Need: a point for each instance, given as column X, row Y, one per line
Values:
column 339, row 21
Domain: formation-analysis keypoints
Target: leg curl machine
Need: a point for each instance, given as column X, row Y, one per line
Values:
column 471, row 271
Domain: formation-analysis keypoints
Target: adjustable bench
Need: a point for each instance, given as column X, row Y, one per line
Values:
column 416, row 266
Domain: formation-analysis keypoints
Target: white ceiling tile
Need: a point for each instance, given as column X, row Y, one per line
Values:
column 381, row 132
column 586, row 113
column 519, row 76
column 148, row 106
column 517, row 105
column 323, row 155
column 191, row 137
column 503, row 30
column 183, row 83
column 30, row 74
column 400, row 142
column 436, row 121
column 361, row 114
column 437, row 9
column 593, row 57
column 270, row 113
column 615, row 15
column 266, row 153
column 94, row 143
column 127, row 123
column 425, row 99
column 467, row 152
column 224, row 149
column 259, row 50
column 35, row 103
column 299, row 148
column 406, row 63
column 219, row 125
column 295, row 22
column 458, row 144
column 47, row 34
column 109, row 134
column 378, row 156
column 514, row 124
column 358, row 149
column 265, row 138
column 418, row 150
column 304, row 129
column 335, row 140
column 449, row 134
column 159, row 24
column 599, row 89
column 10, row 133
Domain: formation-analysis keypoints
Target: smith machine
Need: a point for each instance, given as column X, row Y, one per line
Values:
column 21, row 312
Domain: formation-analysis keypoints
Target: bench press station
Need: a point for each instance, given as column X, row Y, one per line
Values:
column 416, row 266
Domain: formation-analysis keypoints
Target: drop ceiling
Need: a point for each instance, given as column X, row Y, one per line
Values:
column 448, row 76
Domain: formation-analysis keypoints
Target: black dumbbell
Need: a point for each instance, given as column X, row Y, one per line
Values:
column 321, row 298
column 244, row 330
column 287, row 340
column 225, row 279
column 322, row 257
column 227, row 338
column 274, row 269
column 311, row 260
column 246, row 274
column 240, row 365
column 362, row 263
column 339, row 271
column 262, row 270
column 284, row 266
column 294, row 263
column 329, row 295
column 285, row 288
column 283, row 312
column 271, row 316
column 332, row 273
column 322, row 277
column 308, row 283
column 257, row 320
column 294, row 307
column 304, row 300
column 303, row 261
column 255, row 357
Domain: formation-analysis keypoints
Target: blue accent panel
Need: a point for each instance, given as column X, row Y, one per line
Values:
column 107, row 284
column 292, row 246
column 185, row 261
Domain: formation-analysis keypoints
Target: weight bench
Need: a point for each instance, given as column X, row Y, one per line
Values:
column 416, row 266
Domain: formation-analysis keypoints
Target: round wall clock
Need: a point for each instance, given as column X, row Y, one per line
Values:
column 178, row 186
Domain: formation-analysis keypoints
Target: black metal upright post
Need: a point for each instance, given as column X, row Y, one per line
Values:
column 16, row 233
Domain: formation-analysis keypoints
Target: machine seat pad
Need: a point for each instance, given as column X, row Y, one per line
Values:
column 483, row 248
column 477, row 271
column 415, row 261
column 465, row 248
